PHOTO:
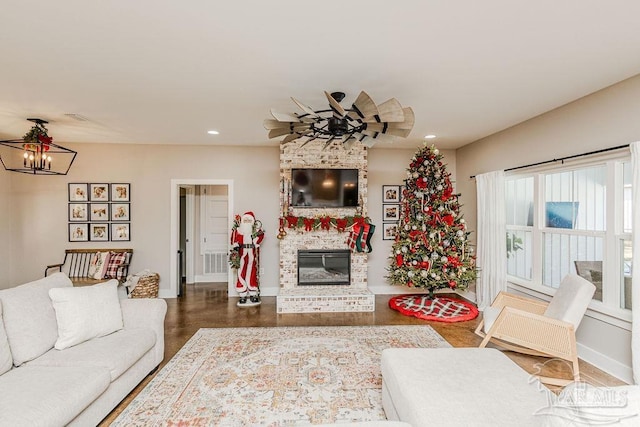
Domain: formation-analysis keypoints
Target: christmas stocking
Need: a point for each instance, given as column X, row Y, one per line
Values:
column 353, row 237
column 372, row 229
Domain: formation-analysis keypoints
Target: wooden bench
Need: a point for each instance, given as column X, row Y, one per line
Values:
column 76, row 265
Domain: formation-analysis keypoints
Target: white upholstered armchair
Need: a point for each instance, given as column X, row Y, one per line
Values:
column 538, row 328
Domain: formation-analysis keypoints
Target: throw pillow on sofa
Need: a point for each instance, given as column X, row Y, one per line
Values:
column 99, row 264
column 29, row 318
column 86, row 312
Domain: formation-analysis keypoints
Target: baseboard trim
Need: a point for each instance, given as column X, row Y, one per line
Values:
column 605, row 363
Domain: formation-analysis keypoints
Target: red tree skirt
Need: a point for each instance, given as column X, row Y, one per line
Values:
column 440, row 309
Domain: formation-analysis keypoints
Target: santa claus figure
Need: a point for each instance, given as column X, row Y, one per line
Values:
column 246, row 237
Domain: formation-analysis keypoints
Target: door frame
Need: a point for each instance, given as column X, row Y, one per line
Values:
column 174, row 228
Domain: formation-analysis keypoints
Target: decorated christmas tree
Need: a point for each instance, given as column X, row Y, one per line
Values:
column 431, row 249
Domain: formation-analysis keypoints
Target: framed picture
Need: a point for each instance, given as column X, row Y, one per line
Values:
column 99, row 211
column 389, row 231
column 120, row 212
column 402, row 190
column 78, row 192
column 99, row 192
column 390, row 194
column 391, row 212
column 78, row 212
column 120, row 192
column 120, row 232
column 99, row 232
column 79, row 232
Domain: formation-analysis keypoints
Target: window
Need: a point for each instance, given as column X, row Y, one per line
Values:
column 572, row 220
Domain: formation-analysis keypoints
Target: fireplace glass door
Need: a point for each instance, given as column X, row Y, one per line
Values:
column 324, row 267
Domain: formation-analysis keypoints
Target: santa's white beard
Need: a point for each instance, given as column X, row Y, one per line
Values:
column 245, row 229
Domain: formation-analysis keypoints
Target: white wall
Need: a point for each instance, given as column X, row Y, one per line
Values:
column 604, row 119
column 6, row 235
column 40, row 229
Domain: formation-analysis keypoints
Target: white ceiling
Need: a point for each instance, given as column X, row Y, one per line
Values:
column 167, row 71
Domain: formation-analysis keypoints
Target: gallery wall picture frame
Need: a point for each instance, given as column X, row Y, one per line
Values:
column 78, row 192
column 99, row 232
column 390, row 194
column 78, row 212
column 120, row 212
column 99, row 192
column 120, row 231
column 120, row 192
column 78, row 232
column 391, row 212
column 389, row 231
column 402, row 190
column 99, row 212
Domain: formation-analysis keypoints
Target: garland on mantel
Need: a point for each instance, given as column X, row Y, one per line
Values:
column 325, row 222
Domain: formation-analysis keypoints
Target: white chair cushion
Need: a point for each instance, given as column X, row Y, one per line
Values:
column 489, row 315
column 86, row 312
column 571, row 300
column 6, row 361
column 29, row 318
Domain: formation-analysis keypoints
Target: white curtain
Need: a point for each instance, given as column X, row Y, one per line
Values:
column 635, row 275
column 492, row 247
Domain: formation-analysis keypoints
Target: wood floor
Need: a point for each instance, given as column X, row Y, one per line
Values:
column 205, row 305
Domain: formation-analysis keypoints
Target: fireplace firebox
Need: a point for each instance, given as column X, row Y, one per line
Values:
column 320, row 267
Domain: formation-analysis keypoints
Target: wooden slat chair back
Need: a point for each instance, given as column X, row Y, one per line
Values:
column 76, row 265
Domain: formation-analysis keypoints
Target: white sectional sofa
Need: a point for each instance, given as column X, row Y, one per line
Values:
column 79, row 385
column 483, row 387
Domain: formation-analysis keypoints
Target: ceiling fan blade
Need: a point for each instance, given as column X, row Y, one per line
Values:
column 409, row 120
column 338, row 111
column 369, row 142
column 389, row 111
column 294, row 136
column 378, row 136
column 311, row 138
column 307, row 110
column 363, row 107
column 276, row 124
column 329, row 141
column 348, row 145
column 285, row 130
column 279, row 132
column 284, row 117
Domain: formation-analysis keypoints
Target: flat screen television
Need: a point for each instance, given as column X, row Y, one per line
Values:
column 324, row 188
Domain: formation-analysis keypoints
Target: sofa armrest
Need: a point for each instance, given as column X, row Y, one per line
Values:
column 146, row 313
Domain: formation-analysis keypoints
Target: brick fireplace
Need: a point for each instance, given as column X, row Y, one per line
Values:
column 317, row 297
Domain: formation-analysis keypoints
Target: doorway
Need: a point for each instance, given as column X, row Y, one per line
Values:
column 201, row 220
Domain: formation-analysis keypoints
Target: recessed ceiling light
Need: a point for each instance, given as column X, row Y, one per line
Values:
column 430, row 136
column 213, row 132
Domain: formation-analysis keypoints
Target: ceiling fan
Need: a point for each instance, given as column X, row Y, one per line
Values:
column 364, row 121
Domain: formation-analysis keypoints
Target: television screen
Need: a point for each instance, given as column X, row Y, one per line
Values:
column 326, row 188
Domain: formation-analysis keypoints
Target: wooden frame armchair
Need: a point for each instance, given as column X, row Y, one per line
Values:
column 538, row 328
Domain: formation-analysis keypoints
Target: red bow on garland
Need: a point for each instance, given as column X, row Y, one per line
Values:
column 325, row 222
column 308, row 223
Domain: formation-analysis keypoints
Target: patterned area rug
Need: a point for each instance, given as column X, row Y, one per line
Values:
column 439, row 309
column 274, row 377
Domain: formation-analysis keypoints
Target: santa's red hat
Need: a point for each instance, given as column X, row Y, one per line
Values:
column 249, row 213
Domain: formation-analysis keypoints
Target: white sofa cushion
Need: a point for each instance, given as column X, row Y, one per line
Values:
column 6, row 361
column 116, row 352
column 29, row 318
column 86, row 312
column 39, row 396
column 459, row 387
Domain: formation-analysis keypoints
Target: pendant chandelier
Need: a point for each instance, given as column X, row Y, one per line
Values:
column 36, row 153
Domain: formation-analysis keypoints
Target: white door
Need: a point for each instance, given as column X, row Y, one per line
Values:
column 213, row 236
